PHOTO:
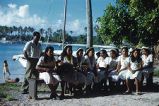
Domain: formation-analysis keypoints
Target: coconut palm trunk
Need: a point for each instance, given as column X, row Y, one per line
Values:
column 89, row 23
column 64, row 26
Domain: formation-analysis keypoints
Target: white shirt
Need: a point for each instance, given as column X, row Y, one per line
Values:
column 50, row 63
column 135, row 65
column 112, row 63
column 124, row 61
column 147, row 60
column 32, row 49
column 102, row 62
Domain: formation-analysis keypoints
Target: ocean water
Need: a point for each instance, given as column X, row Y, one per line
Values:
column 7, row 50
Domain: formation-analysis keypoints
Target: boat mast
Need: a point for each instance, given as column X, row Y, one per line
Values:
column 64, row 26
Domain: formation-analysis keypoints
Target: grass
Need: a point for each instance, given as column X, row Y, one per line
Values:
column 5, row 90
column 156, row 72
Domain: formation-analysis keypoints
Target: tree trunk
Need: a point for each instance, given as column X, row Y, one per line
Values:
column 64, row 26
column 89, row 23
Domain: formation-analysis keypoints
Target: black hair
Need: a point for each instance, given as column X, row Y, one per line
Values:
column 138, row 58
column 80, row 49
column 124, row 48
column 17, row 79
column 64, row 52
column 46, row 50
column 5, row 61
column 104, row 52
column 147, row 50
column 37, row 34
column 115, row 52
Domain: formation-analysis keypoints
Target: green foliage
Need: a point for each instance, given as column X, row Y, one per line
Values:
column 5, row 88
column 135, row 21
column 156, row 72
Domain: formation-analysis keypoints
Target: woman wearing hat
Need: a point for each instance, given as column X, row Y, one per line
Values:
column 101, row 69
column 134, row 72
column 111, row 67
column 122, row 66
column 91, row 68
column 67, row 67
column 81, row 78
column 147, row 59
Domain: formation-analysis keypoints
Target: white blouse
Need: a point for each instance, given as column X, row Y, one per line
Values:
column 124, row 61
column 112, row 63
column 147, row 60
column 102, row 62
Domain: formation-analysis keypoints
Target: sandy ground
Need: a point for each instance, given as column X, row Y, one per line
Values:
column 148, row 98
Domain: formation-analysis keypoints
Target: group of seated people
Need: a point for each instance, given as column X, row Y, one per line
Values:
column 91, row 74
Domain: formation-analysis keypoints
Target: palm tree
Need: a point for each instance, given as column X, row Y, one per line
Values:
column 89, row 23
column 64, row 26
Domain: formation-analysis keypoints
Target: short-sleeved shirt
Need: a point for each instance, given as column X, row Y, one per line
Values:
column 49, row 63
column 147, row 60
column 135, row 65
column 112, row 63
column 124, row 61
column 32, row 49
column 72, row 61
column 102, row 62
column 91, row 64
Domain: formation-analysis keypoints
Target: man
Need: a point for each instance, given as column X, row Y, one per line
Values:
column 32, row 51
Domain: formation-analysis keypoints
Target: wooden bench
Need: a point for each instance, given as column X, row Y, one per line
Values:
column 33, row 83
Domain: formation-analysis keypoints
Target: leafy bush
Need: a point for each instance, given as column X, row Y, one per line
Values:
column 156, row 72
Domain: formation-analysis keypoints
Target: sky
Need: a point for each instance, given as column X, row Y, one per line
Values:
column 50, row 13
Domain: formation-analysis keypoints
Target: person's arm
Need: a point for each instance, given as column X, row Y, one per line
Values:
column 118, row 67
column 42, row 69
column 129, row 68
column 26, row 50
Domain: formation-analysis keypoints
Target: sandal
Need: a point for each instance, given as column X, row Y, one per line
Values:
column 138, row 93
column 127, row 92
column 54, row 96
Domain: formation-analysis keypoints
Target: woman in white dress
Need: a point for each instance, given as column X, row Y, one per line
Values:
column 134, row 72
column 46, row 67
column 147, row 59
column 123, row 62
column 111, row 67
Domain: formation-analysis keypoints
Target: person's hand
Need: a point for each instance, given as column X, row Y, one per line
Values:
column 60, row 63
column 47, row 69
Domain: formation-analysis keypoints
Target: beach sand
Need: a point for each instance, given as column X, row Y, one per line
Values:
column 148, row 98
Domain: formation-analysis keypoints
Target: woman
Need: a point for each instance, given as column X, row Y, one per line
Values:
column 147, row 59
column 134, row 72
column 123, row 62
column 101, row 69
column 90, row 69
column 46, row 67
column 67, row 67
column 111, row 67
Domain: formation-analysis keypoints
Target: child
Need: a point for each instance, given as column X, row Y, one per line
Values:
column 5, row 69
column 9, row 80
